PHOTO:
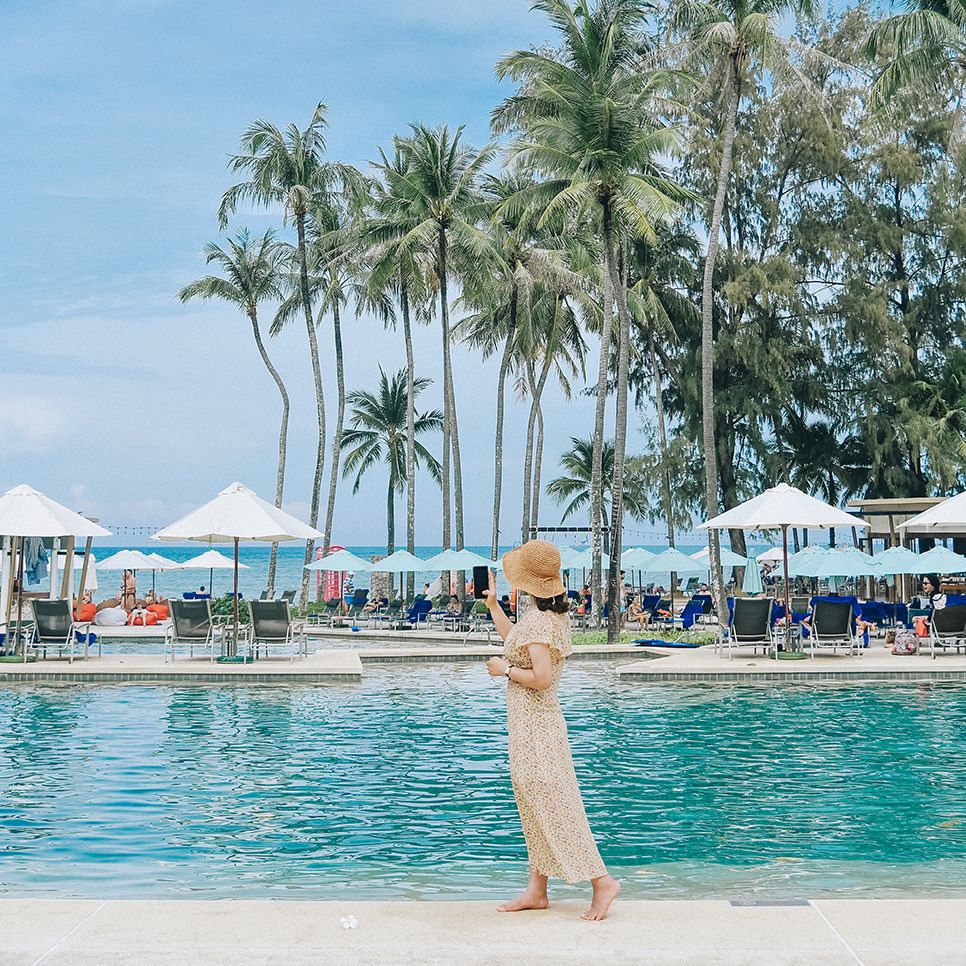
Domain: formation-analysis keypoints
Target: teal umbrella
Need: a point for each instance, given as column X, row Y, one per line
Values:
column 339, row 561
column 943, row 561
column 752, row 584
column 400, row 562
column 459, row 560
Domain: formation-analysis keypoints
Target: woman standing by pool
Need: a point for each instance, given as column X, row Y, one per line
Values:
column 559, row 840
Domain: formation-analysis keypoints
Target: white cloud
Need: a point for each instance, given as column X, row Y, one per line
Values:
column 34, row 424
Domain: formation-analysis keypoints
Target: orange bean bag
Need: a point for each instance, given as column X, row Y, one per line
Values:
column 160, row 609
column 147, row 620
column 87, row 612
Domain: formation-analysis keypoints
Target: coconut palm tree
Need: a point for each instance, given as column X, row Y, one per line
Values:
column 252, row 271
column 286, row 168
column 392, row 269
column 926, row 47
column 575, row 487
column 378, row 434
column 730, row 42
column 588, row 122
column 443, row 209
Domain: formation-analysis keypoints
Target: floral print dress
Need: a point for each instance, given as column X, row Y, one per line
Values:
column 559, row 840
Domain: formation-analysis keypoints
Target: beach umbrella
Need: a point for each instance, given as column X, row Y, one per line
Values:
column 211, row 561
column 570, row 558
column 752, row 584
column 339, row 561
column 237, row 514
column 460, row 560
column 901, row 560
column 944, row 519
column 400, row 562
column 847, row 562
column 636, row 557
column 163, row 564
column 728, row 558
column 771, row 555
column 133, row 560
column 26, row 512
column 585, row 559
column 943, row 561
column 673, row 561
column 801, row 563
column 779, row 508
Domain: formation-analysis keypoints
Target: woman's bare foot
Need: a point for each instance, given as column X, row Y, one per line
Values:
column 526, row 900
column 533, row 897
column 605, row 891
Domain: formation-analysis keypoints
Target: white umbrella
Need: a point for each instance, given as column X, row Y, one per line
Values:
column 636, row 557
column 25, row 512
column 771, row 555
column 211, row 561
column 779, row 508
column 237, row 514
column 133, row 560
column 944, row 519
column 847, row 562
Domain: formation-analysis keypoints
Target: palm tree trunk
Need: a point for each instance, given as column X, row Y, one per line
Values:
column 337, row 436
column 390, row 518
column 537, row 465
column 282, row 439
column 620, row 446
column 447, row 413
column 662, row 433
column 410, row 440
column 596, row 472
column 528, row 455
column 707, row 349
column 319, row 399
column 498, row 450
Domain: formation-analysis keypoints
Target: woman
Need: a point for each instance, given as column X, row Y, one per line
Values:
column 559, row 840
column 931, row 588
column 128, row 595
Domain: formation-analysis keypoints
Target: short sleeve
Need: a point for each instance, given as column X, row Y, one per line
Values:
column 544, row 627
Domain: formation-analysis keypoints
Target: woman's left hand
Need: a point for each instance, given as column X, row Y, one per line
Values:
column 497, row 667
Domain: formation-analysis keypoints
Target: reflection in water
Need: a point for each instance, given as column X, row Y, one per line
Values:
column 399, row 787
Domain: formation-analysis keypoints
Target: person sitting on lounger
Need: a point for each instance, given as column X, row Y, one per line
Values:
column 454, row 607
column 635, row 613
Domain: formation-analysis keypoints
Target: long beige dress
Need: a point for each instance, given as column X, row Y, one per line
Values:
column 559, row 840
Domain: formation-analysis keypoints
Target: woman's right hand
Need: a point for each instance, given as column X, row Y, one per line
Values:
column 489, row 595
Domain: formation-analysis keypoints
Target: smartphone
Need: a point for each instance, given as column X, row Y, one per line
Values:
column 481, row 581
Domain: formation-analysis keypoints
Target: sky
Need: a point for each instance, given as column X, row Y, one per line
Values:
column 126, row 405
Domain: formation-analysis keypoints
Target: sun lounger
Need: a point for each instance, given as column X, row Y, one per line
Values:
column 947, row 628
column 55, row 627
column 750, row 625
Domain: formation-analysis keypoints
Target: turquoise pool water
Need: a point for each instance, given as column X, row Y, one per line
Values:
column 398, row 787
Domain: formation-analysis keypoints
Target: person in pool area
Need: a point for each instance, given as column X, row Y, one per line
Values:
column 559, row 840
column 931, row 585
column 128, row 595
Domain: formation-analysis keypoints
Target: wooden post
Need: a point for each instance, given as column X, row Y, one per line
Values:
column 67, row 582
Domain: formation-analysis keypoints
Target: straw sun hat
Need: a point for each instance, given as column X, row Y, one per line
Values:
column 535, row 568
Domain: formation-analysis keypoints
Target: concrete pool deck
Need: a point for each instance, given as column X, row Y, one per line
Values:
column 824, row 932
column 650, row 664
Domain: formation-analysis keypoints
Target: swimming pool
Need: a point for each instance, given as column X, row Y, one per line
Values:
column 398, row 788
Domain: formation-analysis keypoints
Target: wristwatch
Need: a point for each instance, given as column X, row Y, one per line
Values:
column 509, row 668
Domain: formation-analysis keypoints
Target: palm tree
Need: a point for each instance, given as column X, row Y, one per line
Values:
column 286, row 168
column 443, row 209
column 927, row 46
column 393, row 268
column 732, row 41
column 588, row 128
column 252, row 270
column 378, row 434
column 576, row 487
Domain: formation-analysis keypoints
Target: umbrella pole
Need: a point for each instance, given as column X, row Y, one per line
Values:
column 83, row 576
column 16, row 636
column 788, row 609
column 68, row 568
column 14, row 541
column 235, row 640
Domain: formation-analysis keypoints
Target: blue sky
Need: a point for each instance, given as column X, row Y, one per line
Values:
column 120, row 115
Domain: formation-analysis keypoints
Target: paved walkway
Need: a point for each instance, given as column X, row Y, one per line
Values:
column 840, row 932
